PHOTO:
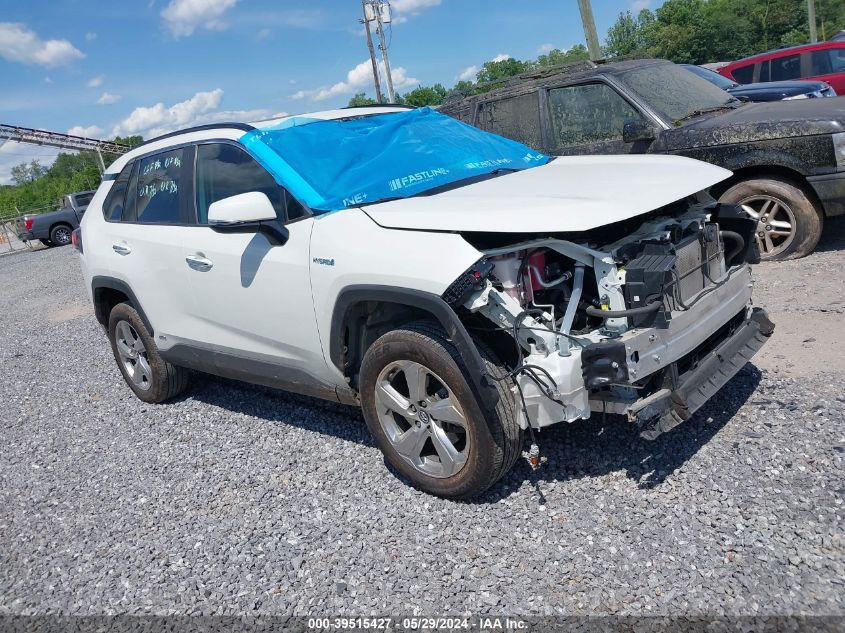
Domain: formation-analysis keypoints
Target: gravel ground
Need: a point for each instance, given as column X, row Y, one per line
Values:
column 237, row 499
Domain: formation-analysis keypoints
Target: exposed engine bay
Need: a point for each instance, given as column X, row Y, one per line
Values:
column 630, row 326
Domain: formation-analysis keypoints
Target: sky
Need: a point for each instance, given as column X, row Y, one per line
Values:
column 101, row 68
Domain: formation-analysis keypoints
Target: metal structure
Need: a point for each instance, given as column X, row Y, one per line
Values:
column 590, row 30
column 378, row 11
column 63, row 141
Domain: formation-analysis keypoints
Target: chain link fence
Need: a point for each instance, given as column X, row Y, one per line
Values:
column 12, row 224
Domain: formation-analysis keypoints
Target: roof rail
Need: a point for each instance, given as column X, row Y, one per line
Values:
column 246, row 127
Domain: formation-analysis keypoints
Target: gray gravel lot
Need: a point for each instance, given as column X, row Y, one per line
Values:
column 238, row 499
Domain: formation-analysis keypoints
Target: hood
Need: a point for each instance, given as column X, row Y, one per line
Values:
column 572, row 193
column 776, row 90
column 759, row 122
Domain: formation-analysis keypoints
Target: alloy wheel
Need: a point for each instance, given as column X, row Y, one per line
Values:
column 422, row 418
column 133, row 355
column 61, row 236
column 775, row 223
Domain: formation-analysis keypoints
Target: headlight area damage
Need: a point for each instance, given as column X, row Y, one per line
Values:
column 649, row 325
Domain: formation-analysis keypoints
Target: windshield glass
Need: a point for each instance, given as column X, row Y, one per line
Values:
column 333, row 164
column 714, row 78
column 674, row 91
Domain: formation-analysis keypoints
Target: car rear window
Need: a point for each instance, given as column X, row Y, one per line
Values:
column 744, row 75
column 786, row 68
column 827, row 61
column 157, row 189
column 83, row 199
column 515, row 117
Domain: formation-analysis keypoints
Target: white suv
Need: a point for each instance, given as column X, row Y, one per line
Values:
column 460, row 287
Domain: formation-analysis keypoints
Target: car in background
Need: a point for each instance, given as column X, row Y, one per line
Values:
column 55, row 228
column 823, row 61
column 838, row 37
column 764, row 91
column 787, row 157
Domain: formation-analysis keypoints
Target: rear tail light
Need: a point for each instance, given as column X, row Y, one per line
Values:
column 76, row 239
column 27, row 223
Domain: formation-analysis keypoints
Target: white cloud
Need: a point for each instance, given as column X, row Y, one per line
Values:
column 359, row 78
column 546, row 48
column 403, row 8
column 639, row 5
column 92, row 131
column 12, row 154
column 501, row 57
column 468, row 73
column 96, row 82
column 262, row 34
column 19, row 44
column 160, row 119
column 108, row 98
column 183, row 17
column 47, row 80
column 90, row 36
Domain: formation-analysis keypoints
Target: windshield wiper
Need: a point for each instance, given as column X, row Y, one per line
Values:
column 728, row 105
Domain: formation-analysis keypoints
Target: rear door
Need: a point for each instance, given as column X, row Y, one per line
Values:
column 251, row 301
column 145, row 237
column 827, row 64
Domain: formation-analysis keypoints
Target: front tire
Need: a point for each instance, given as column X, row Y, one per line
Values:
column 47, row 243
column 149, row 376
column 788, row 223
column 419, row 407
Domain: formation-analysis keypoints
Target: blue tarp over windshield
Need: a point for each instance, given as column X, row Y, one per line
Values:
column 333, row 164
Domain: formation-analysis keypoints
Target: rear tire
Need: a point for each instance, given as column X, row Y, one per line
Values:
column 149, row 376
column 435, row 434
column 60, row 235
column 789, row 224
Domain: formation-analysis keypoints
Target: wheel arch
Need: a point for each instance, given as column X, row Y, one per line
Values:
column 778, row 172
column 362, row 313
column 107, row 292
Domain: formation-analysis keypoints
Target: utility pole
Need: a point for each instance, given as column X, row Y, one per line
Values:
column 377, row 5
column 811, row 18
column 590, row 29
column 376, row 81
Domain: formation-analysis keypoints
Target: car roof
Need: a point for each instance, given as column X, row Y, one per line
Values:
column 551, row 76
column 235, row 129
column 786, row 50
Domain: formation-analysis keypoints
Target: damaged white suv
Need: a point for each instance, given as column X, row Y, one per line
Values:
column 460, row 287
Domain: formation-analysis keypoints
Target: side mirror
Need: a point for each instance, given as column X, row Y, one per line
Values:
column 247, row 213
column 634, row 131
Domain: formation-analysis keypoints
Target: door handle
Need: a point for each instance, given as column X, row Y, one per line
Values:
column 121, row 248
column 198, row 262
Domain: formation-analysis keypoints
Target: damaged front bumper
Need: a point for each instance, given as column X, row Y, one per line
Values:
column 659, row 376
column 665, row 409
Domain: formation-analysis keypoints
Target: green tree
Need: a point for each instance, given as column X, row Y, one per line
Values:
column 27, row 172
column 629, row 34
column 556, row 56
column 425, row 96
column 361, row 99
column 496, row 71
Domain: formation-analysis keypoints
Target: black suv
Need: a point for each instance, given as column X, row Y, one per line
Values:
column 788, row 157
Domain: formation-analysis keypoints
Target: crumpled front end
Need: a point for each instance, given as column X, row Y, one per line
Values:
column 649, row 325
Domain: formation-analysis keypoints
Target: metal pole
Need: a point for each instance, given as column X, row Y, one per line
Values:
column 590, row 29
column 380, row 30
column 102, row 164
column 811, row 18
column 379, row 96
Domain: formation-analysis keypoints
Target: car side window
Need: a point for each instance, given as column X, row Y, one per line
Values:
column 785, row 68
column 156, row 191
column 827, row 61
column 588, row 113
column 225, row 170
column 744, row 75
column 116, row 199
column 515, row 117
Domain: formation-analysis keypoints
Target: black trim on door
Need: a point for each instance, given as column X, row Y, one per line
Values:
column 100, row 282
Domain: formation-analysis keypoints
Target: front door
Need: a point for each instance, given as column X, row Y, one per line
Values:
column 251, row 300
